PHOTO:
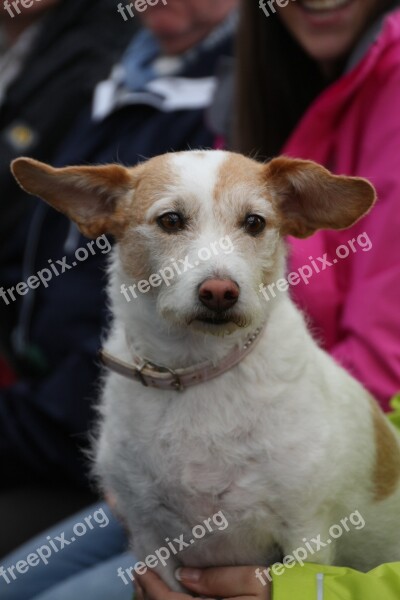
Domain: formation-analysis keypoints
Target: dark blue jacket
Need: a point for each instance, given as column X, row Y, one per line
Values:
column 77, row 43
column 44, row 419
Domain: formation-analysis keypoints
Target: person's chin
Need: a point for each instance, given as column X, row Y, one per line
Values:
column 329, row 49
column 163, row 25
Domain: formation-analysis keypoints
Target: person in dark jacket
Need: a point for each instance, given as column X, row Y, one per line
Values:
column 52, row 55
column 153, row 102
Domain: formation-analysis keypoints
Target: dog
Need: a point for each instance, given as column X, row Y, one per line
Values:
column 216, row 401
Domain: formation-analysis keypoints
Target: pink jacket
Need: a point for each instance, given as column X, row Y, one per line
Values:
column 353, row 128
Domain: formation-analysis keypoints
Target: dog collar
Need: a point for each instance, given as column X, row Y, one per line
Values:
column 153, row 375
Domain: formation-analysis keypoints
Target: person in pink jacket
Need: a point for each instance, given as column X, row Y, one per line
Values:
column 320, row 80
column 328, row 86
column 354, row 128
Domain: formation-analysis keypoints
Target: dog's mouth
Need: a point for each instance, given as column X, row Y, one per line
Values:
column 218, row 323
column 214, row 320
column 221, row 319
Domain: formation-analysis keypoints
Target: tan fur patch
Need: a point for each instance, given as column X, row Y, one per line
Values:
column 239, row 171
column 309, row 197
column 96, row 198
column 155, row 176
column 386, row 475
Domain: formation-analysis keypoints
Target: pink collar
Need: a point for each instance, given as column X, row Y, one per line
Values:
column 152, row 375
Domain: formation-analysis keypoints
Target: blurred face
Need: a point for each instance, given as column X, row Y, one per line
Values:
column 328, row 29
column 27, row 13
column 182, row 23
column 16, row 21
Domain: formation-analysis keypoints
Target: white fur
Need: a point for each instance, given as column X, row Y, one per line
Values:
column 283, row 443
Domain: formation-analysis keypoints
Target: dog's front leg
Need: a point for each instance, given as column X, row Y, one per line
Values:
column 155, row 555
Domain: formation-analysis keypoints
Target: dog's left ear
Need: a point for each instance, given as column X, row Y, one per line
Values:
column 309, row 197
column 96, row 198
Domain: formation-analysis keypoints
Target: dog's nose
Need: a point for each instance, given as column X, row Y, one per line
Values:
column 218, row 294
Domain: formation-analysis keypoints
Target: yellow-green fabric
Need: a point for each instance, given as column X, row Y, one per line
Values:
column 394, row 416
column 317, row 582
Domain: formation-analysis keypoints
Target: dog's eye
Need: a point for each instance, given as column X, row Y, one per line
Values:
column 171, row 222
column 254, row 224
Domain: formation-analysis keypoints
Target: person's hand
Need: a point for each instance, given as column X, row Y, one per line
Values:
column 222, row 582
column 111, row 500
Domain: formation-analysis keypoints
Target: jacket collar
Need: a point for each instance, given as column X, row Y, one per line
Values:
column 144, row 76
column 369, row 38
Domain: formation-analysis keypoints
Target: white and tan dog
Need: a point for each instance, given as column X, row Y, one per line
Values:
column 217, row 400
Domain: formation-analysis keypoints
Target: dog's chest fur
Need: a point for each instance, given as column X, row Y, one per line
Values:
column 240, row 444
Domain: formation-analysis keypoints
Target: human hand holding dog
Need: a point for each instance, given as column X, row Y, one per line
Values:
column 222, row 582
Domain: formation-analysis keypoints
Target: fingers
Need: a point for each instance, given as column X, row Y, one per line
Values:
column 153, row 588
column 111, row 500
column 225, row 582
column 138, row 595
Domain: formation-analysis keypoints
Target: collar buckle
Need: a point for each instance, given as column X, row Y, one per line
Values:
column 177, row 383
column 141, row 364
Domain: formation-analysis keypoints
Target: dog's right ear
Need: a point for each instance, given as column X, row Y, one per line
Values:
column 98, row 199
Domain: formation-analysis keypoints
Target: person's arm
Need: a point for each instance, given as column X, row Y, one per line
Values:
column 45, row 417
column 370, row 318
column 43, row 426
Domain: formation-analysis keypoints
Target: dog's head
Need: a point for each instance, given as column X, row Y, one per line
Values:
column 200, row 231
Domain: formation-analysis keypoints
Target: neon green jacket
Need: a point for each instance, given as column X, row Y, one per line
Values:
column 317, row 582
